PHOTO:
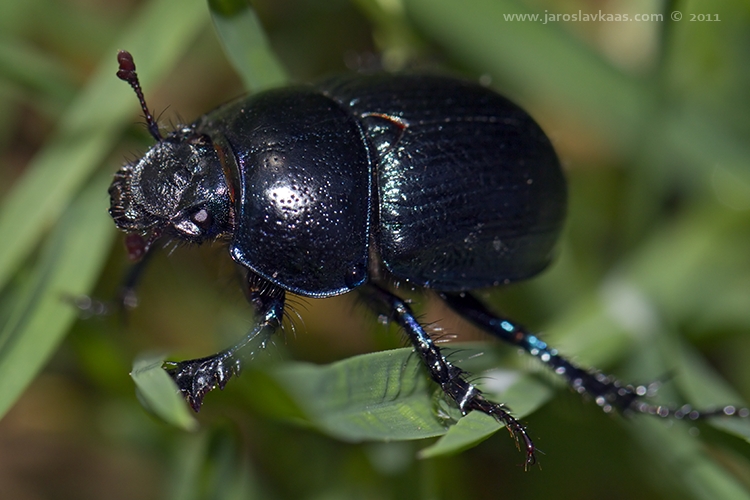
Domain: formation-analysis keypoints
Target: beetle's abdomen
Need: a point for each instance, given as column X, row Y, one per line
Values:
column 470, row 189
column 303, row 200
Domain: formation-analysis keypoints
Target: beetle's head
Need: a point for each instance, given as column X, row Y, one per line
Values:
column 177, row 190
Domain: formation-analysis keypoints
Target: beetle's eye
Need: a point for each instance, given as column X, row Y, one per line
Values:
column 202, row 219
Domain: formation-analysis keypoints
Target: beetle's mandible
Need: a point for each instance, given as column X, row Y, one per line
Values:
column 356, row 182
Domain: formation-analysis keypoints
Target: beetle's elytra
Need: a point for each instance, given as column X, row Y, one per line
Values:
column 356, row 182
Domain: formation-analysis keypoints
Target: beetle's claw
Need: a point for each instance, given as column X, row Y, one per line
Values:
column 517, row 431
column 197, row 377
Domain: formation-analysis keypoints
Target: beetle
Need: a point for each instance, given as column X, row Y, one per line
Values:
column 355, row 183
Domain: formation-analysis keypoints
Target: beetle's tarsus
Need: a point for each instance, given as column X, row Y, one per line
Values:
column 687, row 412
column 517, row 431
column 197, row 377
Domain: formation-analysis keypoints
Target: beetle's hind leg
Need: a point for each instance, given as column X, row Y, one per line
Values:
column 450, row 378
column 608, row 392
column 197, row 377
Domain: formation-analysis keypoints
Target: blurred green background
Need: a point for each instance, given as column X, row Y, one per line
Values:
column 651, row 120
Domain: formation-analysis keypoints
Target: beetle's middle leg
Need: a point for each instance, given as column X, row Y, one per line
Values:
column 197, row 377
column 450, row 378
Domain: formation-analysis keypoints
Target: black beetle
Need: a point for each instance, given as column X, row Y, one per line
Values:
column 357, row 182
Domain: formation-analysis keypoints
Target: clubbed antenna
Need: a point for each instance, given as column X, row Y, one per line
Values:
column 127, row 73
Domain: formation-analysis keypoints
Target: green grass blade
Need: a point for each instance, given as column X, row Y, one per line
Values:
column 549, row 62
column 677, row 454
column 31, row 69
column 245, row 44
column 68, row 266
column 212, row 464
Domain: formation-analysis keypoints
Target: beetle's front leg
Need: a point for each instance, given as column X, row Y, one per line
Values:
column 450, row 378
column 127, row 297
column 197, row 377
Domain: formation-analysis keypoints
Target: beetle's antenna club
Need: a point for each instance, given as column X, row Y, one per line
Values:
column 127, row 73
